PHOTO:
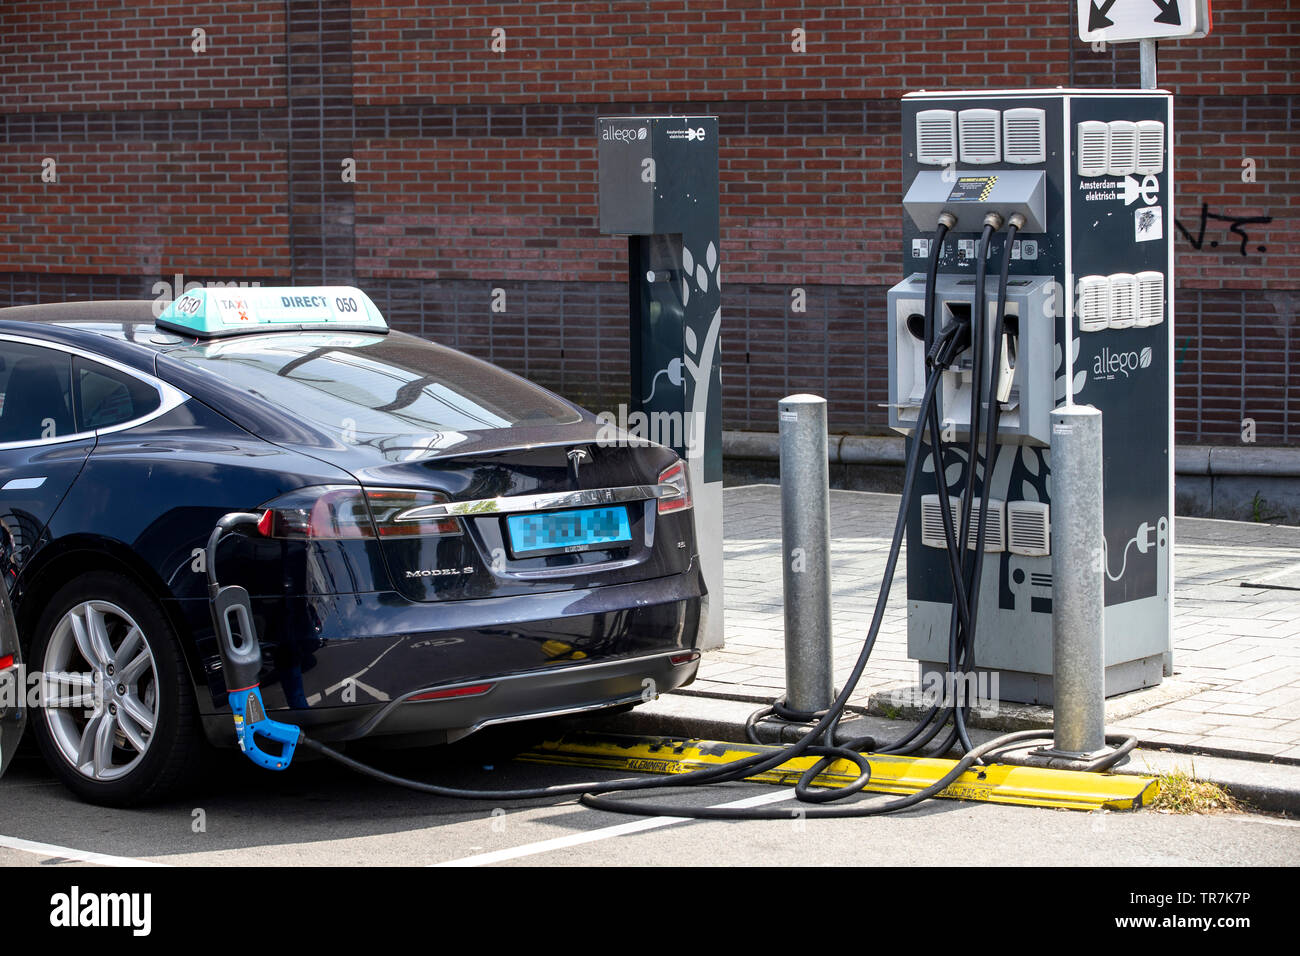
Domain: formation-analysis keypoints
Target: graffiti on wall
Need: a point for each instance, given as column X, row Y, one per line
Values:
column 1236, row 225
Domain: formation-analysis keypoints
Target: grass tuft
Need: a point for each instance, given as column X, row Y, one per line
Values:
column 1181, row 792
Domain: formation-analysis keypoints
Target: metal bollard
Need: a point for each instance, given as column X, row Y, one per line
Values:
column 1078, row 641
column 806, row 552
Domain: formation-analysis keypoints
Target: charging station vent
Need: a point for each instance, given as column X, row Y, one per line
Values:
column 995, row 527
column 980, row 136
column 1094, row 148
column 1150, row 299
column 1123, row 148
column 1024, row 136
column 1123, row 301
column 1094, row 303
column 1028, row 528
column 936, row 137
column 932, row 520
column 1150, row 147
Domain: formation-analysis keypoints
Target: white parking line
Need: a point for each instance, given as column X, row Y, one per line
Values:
column 604, row 833
column 68, row 853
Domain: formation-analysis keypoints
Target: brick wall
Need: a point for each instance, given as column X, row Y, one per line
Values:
column 475, row 170
column 67, row 55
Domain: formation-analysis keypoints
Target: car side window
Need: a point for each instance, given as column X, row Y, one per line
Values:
column 35, row 393
column 106, row 397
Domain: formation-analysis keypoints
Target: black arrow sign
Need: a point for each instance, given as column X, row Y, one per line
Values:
column 1168, row 13
column 1097, row 19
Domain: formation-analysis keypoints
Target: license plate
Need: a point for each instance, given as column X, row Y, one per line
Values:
column 557, row 532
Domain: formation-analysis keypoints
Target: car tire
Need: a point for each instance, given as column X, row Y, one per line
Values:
column 141, row 742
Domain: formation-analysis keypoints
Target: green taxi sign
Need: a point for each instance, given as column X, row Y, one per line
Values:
column 217, row 312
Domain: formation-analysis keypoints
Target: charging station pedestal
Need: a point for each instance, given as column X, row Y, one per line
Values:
column 1090, row 306
column 659, row 187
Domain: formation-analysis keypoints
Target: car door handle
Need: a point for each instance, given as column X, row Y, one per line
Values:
column 23, row 484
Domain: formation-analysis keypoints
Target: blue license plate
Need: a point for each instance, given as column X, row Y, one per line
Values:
column 559, row 531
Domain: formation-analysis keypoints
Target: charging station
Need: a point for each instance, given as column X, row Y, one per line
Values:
column 1087, row 178
column 659, row 187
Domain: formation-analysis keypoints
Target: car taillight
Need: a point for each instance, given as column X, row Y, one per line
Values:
column 396, row 512
column 470, row 690
column 675, row 476
column 332, row 512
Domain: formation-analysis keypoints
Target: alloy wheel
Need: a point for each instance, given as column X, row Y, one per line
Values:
column 101, row 690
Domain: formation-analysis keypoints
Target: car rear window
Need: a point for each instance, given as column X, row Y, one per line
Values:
column 106, row 397
column 375, row 385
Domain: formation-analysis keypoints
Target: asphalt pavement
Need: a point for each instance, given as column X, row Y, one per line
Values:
column 320, row 814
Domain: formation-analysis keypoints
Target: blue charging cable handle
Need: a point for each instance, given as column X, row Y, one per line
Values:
column 251, row 723
column 241, row 660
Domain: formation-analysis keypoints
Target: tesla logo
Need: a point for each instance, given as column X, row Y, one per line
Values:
column 576, row 457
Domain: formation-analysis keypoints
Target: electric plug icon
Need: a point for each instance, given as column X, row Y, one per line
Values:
column 674, row 373
column 1145, row 539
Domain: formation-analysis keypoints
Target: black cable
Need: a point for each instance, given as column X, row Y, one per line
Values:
column 810, row 743
column 992, row 414
column 977, row 378
column 817, row 741
column 934, row 365
column 857, row 810
column 936, row 434
column 964, row 638
column 991, row 424
column 937, row 360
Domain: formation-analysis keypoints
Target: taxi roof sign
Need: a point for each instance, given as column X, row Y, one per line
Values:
column 218, row 312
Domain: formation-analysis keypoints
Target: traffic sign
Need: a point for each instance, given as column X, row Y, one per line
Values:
column 1115, row 21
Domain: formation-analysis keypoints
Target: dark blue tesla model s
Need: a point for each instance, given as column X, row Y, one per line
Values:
column 442, row 545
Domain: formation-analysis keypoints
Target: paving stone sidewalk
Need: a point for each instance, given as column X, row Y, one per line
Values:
column 1236, row 649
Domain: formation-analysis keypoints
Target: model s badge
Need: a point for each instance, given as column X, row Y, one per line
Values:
column 439, row 572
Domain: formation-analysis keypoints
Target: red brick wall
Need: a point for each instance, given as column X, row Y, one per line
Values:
column 477, row 169
column 797, row 211
column 214, row 208
column 106, row 90
column 456, row 208
column 121, row 54
column 733, row 49
column 810, row 209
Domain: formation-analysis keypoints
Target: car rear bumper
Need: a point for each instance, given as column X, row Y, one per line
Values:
column 566, row 690
column 353, row 665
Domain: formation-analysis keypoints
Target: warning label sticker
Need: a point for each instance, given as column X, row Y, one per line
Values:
column 1148, row 224
column 972, row 188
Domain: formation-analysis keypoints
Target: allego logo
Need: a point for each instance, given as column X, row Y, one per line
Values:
column 1110, row 363
column 623, row 134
